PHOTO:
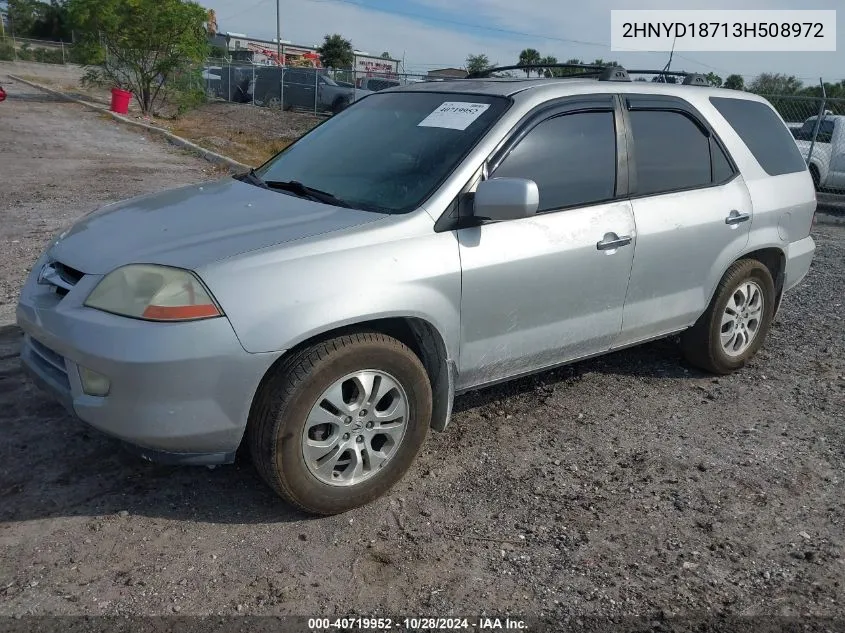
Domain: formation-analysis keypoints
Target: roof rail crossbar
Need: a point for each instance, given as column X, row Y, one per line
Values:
column 589, row 70
column 689, row 79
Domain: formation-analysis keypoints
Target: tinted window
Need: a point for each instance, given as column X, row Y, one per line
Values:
column 671, row 152
column 572, row 159
column 809, row 128
column 387, row 152
column 722, row 170
column 760, row 128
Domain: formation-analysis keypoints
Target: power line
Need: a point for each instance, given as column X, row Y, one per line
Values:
column 440, row 20
column 242, row 11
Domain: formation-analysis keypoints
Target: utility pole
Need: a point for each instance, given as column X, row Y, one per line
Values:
column 278, row 34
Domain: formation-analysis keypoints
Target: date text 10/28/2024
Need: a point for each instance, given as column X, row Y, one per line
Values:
column 316, row 625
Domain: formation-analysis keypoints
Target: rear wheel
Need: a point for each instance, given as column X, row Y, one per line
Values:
column 272, row 100
column 734, row 327
column 340, row 104
column 338, row 424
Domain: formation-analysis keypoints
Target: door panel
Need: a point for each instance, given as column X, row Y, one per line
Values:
column 683, row 242
column 538, row 291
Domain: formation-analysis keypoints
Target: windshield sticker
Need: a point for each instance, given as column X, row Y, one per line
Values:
column 455, row 115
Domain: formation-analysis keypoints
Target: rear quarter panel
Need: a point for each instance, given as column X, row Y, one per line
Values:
column 783, row 206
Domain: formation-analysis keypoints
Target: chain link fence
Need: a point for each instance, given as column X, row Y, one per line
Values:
column 818, row 126
column 305, row 89
column 30, row 50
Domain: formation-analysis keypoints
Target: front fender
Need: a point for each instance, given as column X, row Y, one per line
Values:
column 280, row 297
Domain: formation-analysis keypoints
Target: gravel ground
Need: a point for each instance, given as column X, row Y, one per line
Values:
column 59, row 161
column 626, row 485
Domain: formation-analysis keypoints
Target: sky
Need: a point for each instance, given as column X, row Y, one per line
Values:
column 431, row 34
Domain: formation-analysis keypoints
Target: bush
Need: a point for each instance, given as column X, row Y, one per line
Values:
column 7, row 52
column 187, row 90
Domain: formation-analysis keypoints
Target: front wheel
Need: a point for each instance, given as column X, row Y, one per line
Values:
column 339, row 423
column 735, row 325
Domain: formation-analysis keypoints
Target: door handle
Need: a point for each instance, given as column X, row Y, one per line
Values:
column 612, row 241
column 736, row 217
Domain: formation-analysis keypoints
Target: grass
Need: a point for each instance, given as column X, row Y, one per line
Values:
column 242, row 145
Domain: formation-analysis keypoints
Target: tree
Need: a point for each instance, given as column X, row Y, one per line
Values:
column 529, row 57
column 735, row 82
column 775, row 84
column 23, row 14
column 547, row 61
column 386, row 55
column 714, row 80
column 478, row 63
column 141, row 43
column 38, row 18
column 336, row 52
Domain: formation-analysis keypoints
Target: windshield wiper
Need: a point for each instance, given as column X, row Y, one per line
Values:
column 253, row 178
column 297, row 188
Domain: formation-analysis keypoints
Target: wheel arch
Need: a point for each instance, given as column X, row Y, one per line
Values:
column 773, row 258
column 420, row 335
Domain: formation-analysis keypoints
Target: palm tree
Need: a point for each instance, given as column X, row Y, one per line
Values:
column 529, row 57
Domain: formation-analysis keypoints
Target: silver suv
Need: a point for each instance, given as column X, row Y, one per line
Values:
column 324, row 309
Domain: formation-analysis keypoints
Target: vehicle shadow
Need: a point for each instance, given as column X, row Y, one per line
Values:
column 660, row 358
column 52, row 465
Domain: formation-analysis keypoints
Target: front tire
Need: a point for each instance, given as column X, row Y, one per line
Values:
column 735, row 325
column 339, row 423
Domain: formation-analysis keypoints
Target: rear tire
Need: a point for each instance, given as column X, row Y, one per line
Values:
column 313, row 437
column 814, row 173
column 340, row 104
column 735, row 325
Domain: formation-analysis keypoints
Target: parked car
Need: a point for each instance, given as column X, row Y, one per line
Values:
column 323, row 310
column 300, row 87
column 827, row 162
column 2, row 94
column 375, row 84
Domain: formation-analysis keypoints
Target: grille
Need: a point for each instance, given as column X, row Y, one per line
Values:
column 62, row 278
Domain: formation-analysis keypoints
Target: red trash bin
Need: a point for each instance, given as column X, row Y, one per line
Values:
column 120, row 100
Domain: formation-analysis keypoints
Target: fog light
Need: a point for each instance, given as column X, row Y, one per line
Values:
column 93, row 383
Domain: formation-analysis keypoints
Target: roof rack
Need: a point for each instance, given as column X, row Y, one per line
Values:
column 589, row 70
column 602, row 73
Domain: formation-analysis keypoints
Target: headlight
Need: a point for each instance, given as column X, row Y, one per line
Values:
column 154, row 293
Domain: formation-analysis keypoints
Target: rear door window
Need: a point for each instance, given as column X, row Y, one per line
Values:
column 763, row 132
column 672, row 152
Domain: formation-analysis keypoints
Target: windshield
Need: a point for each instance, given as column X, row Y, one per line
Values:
column 389, row 151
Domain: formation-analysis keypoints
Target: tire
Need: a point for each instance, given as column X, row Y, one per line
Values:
column 271, row 100
column 814, row 173
column 340, row 104
column 293, row 395
column 703, row 343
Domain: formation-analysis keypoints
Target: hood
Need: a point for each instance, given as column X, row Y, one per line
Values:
column 196, row 225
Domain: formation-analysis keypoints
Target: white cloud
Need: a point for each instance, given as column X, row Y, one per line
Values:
column 426, row 45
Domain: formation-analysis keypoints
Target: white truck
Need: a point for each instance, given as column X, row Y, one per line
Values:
column 827, row 161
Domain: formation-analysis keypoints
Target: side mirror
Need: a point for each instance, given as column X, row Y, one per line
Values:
column 506, row 199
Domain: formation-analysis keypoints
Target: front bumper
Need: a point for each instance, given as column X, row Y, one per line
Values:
column 180, row 392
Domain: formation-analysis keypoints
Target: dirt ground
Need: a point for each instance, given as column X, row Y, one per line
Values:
column 249, row 134
column 627, row 485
